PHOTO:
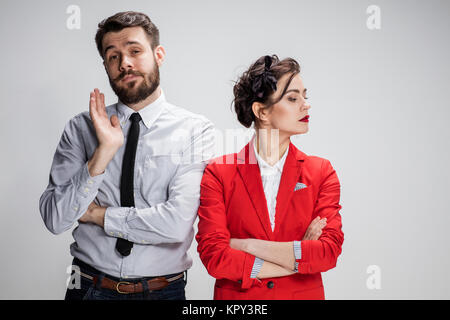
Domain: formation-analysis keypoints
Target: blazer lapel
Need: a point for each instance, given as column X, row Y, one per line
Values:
column 248, row 168
column 290, row 176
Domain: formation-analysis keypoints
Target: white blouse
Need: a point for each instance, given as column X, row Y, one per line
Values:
column 271, row 177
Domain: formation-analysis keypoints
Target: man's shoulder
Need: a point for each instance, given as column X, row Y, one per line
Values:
column 84, row 117
column 184, row 115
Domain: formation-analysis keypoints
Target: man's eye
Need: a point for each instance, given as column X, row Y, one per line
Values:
column 112, row 57
column 136, row 51
column 306, row 98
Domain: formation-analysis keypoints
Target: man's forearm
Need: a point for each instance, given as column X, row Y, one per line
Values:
column 100, row 160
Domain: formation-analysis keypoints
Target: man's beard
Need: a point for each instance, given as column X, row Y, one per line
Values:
column 128, row 94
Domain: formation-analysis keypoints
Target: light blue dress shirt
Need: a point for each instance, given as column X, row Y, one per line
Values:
column 173, row 149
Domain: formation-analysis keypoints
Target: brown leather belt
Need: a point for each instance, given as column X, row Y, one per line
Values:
column 125, row 287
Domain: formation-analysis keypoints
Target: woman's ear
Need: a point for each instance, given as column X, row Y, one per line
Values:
column 159, row 54
column 261, row 113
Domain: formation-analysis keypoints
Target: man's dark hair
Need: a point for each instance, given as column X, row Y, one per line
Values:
column 124, row 20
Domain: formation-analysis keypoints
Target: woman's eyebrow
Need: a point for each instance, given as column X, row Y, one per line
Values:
column 296, row 90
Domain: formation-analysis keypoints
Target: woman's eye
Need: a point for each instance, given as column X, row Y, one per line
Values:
column 136, row 51
column 292, row 99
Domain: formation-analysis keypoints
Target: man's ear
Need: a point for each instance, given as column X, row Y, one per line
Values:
column 159, row 54
column 106, row 68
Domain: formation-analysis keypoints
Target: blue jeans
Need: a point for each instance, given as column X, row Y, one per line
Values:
column 89, row 291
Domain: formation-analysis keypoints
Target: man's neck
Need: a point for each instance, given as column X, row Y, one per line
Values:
column 150, row 99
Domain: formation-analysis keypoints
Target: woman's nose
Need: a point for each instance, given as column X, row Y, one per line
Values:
column 306, row 106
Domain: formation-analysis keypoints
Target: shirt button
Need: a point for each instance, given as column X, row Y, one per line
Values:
column 90, row 181
column 270, row 284
column 86, row 190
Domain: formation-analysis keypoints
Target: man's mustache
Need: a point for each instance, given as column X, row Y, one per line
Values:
column 124, row 74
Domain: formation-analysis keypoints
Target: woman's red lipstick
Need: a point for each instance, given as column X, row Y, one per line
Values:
column 304, row 119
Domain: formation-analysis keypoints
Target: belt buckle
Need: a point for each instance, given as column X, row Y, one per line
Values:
column 119, row 283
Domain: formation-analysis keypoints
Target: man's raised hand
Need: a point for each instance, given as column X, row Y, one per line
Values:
column 108, row 131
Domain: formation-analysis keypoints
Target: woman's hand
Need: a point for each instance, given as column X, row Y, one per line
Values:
column 314, row 230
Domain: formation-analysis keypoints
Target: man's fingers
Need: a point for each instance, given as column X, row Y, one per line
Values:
column 102, row 104
column 115, row 121
column 92, row 106
column 98, row 101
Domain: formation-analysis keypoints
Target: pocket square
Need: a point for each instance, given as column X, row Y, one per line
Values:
column 299, row 186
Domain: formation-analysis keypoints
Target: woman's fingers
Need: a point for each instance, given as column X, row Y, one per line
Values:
column 314, row 230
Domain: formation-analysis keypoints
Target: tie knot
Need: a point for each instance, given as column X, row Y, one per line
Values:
column 135, row 117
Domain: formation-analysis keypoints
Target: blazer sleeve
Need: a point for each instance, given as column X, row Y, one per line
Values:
column 213, row 236
column 321, row 255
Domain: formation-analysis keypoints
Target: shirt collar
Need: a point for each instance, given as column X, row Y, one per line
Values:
column 148, row 114
column 267, row 168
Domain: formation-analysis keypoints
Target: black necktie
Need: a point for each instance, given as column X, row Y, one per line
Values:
column 127, row 178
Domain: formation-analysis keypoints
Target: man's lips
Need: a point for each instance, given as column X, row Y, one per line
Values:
column 304, row 119
column 129, row 77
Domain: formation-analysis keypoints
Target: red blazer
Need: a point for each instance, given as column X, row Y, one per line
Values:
column 233, row 205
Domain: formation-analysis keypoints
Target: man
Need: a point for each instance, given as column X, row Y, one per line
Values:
column 129, row 174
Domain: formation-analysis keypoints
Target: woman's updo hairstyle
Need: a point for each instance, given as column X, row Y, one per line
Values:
column 258, row 83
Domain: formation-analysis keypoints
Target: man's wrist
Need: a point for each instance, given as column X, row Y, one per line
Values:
column 100, row 160
column 98, row 215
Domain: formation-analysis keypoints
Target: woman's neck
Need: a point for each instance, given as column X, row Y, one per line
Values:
column 270, row 145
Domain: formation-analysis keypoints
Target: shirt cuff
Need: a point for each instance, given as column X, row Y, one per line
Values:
column 257, row 265
column 115, row 223
column 297, row 250
column 89, row 185
column 297, row 254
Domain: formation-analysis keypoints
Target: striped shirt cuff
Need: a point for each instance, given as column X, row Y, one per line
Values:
column 297, row 253
column 256, row 267
column 297, row 250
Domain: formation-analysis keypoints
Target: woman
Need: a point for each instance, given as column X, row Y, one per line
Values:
column 269, row 220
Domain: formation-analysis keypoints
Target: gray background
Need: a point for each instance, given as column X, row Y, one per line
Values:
column 379, row 113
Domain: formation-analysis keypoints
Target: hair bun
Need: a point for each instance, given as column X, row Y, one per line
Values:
column 258, row 83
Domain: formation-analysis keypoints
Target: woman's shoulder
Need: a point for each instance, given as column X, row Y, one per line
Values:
column 223, row 162
column 313, row 162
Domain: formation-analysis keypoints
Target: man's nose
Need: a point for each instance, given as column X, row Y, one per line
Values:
column 125, row 63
